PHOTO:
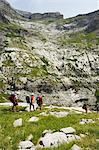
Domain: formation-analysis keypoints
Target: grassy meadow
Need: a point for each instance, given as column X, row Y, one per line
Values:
column 10, row 136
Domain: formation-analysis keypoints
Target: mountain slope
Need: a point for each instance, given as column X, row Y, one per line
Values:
column 36, row 56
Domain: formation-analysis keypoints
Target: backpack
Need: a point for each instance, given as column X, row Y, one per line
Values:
column 37, row 100
column 27, row 99
column 84, row 106
column 12, row 98
column 40, row 100
column 32, row 99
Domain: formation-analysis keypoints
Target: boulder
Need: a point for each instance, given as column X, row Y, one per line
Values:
column 86, row 121
column 75, row 147
column 33, row 119
column 25, row 145
column 68, row 130
column 17, row 122
column 59, row 114
column 30, row 137
column 52, row 139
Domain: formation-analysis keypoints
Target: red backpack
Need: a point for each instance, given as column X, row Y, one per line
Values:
column 32, row 99
column 12, row 98
column 40, row 99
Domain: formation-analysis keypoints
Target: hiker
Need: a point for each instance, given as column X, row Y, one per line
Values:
column 28, row 99
column 13, row 99
column 85, row 106
column 32, row 100
column 40, row 101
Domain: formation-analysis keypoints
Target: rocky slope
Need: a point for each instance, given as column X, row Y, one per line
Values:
column 44, row 56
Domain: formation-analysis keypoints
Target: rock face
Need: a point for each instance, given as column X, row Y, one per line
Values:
column 88, row 21
column 41, row 57
column 49, row 15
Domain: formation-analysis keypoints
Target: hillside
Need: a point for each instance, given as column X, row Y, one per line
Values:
column 50, row 55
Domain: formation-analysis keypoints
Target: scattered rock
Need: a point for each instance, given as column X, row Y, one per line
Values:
column 51, row 139
column 86, row 121
column 33, row 119
column 17, row 122
column 68, row 130
column 30, row 137
column 97, row 140
column 59, row 114
column 45, row 132
column 43, row 114
column 75, row 147
column 82, row 135
column 26, row 145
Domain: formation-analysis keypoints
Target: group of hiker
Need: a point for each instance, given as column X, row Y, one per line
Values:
column 31, row 100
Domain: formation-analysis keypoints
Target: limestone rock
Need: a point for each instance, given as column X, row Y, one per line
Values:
column 59, row 114
column 33, row 119
column 30, row 137
column 86, row 121
column 25, row 145
column 68, row 130
column 75, row 147
column 53, row 139
column 17, row 122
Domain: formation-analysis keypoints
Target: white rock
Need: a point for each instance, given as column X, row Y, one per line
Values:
column 30, row 137
column 45, row 132
column 71, row 137
column 75, row 147
column 97, row 140
column 68, row 130
column 43, row 114
column 33, row 119
column 25, row 145
column 83, row 121
column 53, row 139
column 23, row 79
column 59, row 114
column 17, row 122
column 82, row 135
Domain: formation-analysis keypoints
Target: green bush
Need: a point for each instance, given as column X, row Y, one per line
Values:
column 97, row 94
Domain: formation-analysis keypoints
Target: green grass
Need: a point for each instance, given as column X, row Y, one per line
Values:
column 3, row 97
column 10, row 136
column 80, row 39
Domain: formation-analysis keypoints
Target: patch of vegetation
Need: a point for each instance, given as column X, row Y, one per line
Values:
column 39, row 71
column 97, row 94
column 15, row 33
column 2, row 85
column 8, row 62
column 80, row 39
column 10, row 136
column 40, row 36
column 3, row 97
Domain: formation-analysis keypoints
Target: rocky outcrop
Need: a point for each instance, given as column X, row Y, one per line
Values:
column 90, row 22
column 49, row 15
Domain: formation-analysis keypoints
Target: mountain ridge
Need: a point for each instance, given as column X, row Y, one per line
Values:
column 44, row 56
